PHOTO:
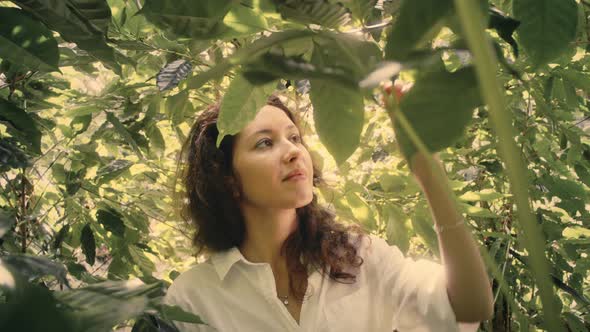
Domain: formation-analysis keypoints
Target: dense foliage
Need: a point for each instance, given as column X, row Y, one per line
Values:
column 96, row 97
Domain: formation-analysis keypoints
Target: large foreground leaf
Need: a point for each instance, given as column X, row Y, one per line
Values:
column 435, row 112
column 32, row 267
column 194, row 19
column 247, row 54
column 27, row 41
column 78, row 21
column 320, row 12
column 240, row 104
column 547, row 28
column 417, row 22
column 339, row 116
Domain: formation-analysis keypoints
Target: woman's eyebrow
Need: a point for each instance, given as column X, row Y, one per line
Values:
column 270, row 131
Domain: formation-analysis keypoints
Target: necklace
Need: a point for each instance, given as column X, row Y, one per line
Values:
column 283, row 299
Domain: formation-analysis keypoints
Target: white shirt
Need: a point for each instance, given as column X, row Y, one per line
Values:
column 392, row 292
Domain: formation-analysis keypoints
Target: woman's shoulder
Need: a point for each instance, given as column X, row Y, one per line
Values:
column 201, row 274
column 373, row 247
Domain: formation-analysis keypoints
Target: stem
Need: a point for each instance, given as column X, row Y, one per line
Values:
column 473, row 27
column 23, row 227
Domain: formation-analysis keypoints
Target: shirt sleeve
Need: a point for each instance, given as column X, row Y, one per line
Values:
column 418, row 291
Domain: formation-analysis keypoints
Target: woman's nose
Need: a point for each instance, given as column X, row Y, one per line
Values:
column 293, row 151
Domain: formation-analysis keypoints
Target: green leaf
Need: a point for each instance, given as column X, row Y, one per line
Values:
column 61, row 235
column 243, row 20
column 272, row 66
column 82, row 122
column 33, row 267
column 7, row 219
column 547, row 29
column 124, row 133
column 583, row 174
column 88, row 244
column 579, row 79
column 139, row 257
column 439, row 106
column 320, row 12
column 27, row 41
column 396, row 229
column 246, row 54
column 77, row 21
column 416, row 23
column 192, row 19
column 112, row 221
column 393, row 182
column 22, row 122
column 178, row 106
column 476, row 211
column 423, row 226
column 484, row 195
column 576, row 232
column 361, row 210
column 157, row 142
column 348, row 54
column 173, row 312
column 240, row 104
column 338, row 121
column 50, row 315
column 112, row 170
column 94, row 305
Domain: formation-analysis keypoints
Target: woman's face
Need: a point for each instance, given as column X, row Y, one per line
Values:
column 265, row 152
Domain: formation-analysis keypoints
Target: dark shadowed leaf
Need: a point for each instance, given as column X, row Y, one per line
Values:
column 27, row 41
column 112, row 221
column 193, row 19
column 77, row 21
column 7, row 219
column 88, row 244
column 152, row 323
column 61, row 235
column 505, row 26
column 124, row 133
column 176, row 313
column 23, row 122
column 17, row 313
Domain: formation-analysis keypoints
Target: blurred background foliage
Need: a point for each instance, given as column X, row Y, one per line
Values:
column 96, row 97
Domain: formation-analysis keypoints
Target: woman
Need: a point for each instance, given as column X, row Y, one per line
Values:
column 280, row 262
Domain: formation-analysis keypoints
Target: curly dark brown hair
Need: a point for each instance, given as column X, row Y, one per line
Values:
column 208, row 203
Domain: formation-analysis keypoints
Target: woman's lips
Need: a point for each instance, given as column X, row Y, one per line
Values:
column 296, row 177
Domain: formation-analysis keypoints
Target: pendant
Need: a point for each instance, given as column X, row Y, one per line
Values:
column 286, row 302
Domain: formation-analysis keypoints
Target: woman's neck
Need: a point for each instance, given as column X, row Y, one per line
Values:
column 266, row 231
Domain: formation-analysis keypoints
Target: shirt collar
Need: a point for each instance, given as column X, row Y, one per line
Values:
column 224, row 260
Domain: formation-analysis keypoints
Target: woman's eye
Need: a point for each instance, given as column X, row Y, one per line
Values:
column 261, row 142
column 268, row 142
